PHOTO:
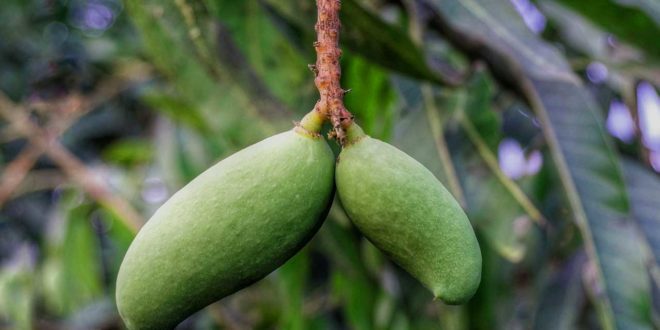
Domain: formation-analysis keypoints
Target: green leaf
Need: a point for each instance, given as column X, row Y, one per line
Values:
column 371, row 99
column 183, row 153
column 17, row 291
column 292, row 279
column 351, row 284
column 182, row 51
column 625, row 63
column 644, row 189
column 573, row 126
column 72, row 269
column 562, row 296
column 274, row 58
column 356, row 304
column 129, row 152
column 629, row 23
column 178, row 111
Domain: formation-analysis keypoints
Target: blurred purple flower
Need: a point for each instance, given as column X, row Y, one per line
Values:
column 534, row 162
column 513, row 162
column 597, row 72
column 533, row 18
column 95, row 16
column 154, row 191
column 648, row 104
column 654, row 159
column 620, row 123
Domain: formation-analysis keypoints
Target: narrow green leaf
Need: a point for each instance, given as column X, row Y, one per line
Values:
column 277, row 61
column 200, row 80
column 371, row 98
column 17, row 291
column 644, row 189
column 357, row 305
column 178, row 110
column 129, row 152
column 292, row 279
column 562, row 297
column 626, row 22
column 72, row 270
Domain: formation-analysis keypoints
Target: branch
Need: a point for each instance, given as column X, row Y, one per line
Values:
column 17, row 170
column 70, row 164
column 328, row 69
column 68, row 111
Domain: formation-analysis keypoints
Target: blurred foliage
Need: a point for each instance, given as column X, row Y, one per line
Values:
column 129, row 100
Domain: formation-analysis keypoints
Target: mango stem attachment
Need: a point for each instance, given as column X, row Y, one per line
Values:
column 328, row 69
column 310, row 124
column 354, row 133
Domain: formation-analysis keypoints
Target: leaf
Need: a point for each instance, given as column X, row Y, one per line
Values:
column 351, row 284
column 371, row 98
column 356, row 305
column 274, row 58
column 183, row 154
column 572, row 124
column 292, row 279
column 129, row 152
column 562, row 296
column 625, row 63
column 72, row 271
column 17, row 291
column 644, row 189
column 369, row 36
column 178, row 111
column 626, row 22
column 200, row 80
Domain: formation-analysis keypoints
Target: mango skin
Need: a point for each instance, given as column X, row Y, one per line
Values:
column 407, row 213
column 229, row 227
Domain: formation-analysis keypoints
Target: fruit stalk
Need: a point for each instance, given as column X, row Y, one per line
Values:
column 328, row 70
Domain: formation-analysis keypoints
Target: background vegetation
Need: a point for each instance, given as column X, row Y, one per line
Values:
column 541, row 117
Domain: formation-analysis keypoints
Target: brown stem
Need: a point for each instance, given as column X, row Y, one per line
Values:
column 70, row 164
column 328, row 69
column 17, row 170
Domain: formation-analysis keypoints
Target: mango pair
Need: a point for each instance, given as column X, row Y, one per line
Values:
column 247, row 215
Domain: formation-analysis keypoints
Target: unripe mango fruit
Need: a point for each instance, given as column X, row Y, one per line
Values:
column 229, row 227
column 407, row 213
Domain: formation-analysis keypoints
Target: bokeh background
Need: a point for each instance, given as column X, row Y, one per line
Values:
column 541, row 117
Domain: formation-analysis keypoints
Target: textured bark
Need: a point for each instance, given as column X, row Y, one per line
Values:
column 328, row 70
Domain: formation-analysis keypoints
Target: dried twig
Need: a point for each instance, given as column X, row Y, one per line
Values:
column 328, row 70
column 68, row 111
column 17, row 170
column 70, row 164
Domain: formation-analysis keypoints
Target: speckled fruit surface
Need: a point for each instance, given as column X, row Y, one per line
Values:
column 229, row 227
column 406, row 212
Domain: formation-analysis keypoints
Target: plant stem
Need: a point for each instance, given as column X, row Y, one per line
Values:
column 328, row 70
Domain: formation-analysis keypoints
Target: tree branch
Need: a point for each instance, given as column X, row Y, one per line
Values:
column 17, row 170
column 70, row 164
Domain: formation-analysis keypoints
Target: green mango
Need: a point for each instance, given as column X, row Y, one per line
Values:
column 402, row 208
column 229, row 227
